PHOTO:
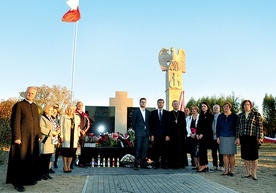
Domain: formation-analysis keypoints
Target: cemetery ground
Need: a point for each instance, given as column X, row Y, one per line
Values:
column 75, row 181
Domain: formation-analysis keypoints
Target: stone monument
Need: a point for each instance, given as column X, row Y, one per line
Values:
column 121, row 102
column 174, row 65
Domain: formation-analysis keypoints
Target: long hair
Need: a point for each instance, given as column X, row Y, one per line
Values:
column 209, row 110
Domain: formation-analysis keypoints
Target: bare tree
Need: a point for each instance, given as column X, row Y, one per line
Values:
column 51, row 95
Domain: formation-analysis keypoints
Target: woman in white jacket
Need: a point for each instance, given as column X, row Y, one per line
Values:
column 70, row 132
column 191, row 130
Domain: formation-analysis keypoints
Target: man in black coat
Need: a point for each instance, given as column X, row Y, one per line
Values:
column 24, row 151
column 159, row 134
column 140, row 124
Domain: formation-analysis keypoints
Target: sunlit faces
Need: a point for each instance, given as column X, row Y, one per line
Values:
column 216, row 109
column 79, row 106
column 143, row 103
column 160, row 104
column 30, row 94
column 187, row 111
column 226, row 108
column 204, row 108
column 48, row 110
column 70, row 111
column 247, row 106
column 54, row 112
column 175, row 105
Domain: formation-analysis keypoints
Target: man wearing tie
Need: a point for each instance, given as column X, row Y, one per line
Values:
column 158, row 132
column 140, row 124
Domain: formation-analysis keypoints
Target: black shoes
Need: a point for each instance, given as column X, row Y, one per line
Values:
column 135, row 168
column 204, row 170
column 46, row 177
column 19, row 188
column 51, row 171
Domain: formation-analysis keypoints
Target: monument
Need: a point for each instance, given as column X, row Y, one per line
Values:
column 121, row 102
column 174, row 65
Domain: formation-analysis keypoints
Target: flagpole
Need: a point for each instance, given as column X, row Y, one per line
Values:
column 74, row 59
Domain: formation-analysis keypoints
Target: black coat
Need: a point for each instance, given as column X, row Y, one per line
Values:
column 204, row 127
column 23, row 158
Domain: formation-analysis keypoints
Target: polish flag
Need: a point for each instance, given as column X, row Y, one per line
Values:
column 181, row 102
column 73, row 14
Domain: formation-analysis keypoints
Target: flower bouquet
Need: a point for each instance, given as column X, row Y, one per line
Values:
column 128, row 160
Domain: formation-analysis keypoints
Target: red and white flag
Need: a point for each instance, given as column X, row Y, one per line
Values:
column 73, row 14
column 181, row 102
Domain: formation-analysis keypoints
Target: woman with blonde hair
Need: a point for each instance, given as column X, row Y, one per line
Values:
column 191, row 128
column 70, row 132
column 47, row 147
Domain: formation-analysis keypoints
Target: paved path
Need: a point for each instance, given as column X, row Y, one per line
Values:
column 127, row 180
column 160, row 183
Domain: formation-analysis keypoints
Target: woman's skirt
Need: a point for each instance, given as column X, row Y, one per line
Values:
column 227, row 146
column 249, row 147
column 68, row 152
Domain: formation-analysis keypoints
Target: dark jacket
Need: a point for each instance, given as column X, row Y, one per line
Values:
column 159, row 129
column 138, row 123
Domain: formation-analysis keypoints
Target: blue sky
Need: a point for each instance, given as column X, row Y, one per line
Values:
column 229, row 45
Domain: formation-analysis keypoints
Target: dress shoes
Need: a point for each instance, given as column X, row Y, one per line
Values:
column 44, row 177
column 51, row 171
column 38, row 178
column 19, row 188
column 135, row 168
column 204, row 170
column 48, row 176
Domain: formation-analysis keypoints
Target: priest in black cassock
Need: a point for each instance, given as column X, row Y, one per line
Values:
column 25, row 130
column 177, row 134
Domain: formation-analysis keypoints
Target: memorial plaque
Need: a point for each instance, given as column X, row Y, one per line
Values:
column 102, row 118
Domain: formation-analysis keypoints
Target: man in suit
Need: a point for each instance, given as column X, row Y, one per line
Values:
column 177, row 134
column 140, row 124
column 158, row 131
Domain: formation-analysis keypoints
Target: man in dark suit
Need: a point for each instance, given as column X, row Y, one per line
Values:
column 177, row 134
column 140, row 124
column 158, row 131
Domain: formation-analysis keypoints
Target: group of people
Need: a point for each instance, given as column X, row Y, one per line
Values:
column 35, row 140
column 174, row 134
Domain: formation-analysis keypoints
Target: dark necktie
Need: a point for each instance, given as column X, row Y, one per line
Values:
column 160, row 115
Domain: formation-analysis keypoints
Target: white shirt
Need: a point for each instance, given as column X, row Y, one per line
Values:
column 143, row 111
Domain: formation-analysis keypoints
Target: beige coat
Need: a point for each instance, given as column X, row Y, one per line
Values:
column 46, row 125
column 65, row 130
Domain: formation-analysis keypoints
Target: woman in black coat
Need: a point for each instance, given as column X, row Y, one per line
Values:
column 204, row 134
